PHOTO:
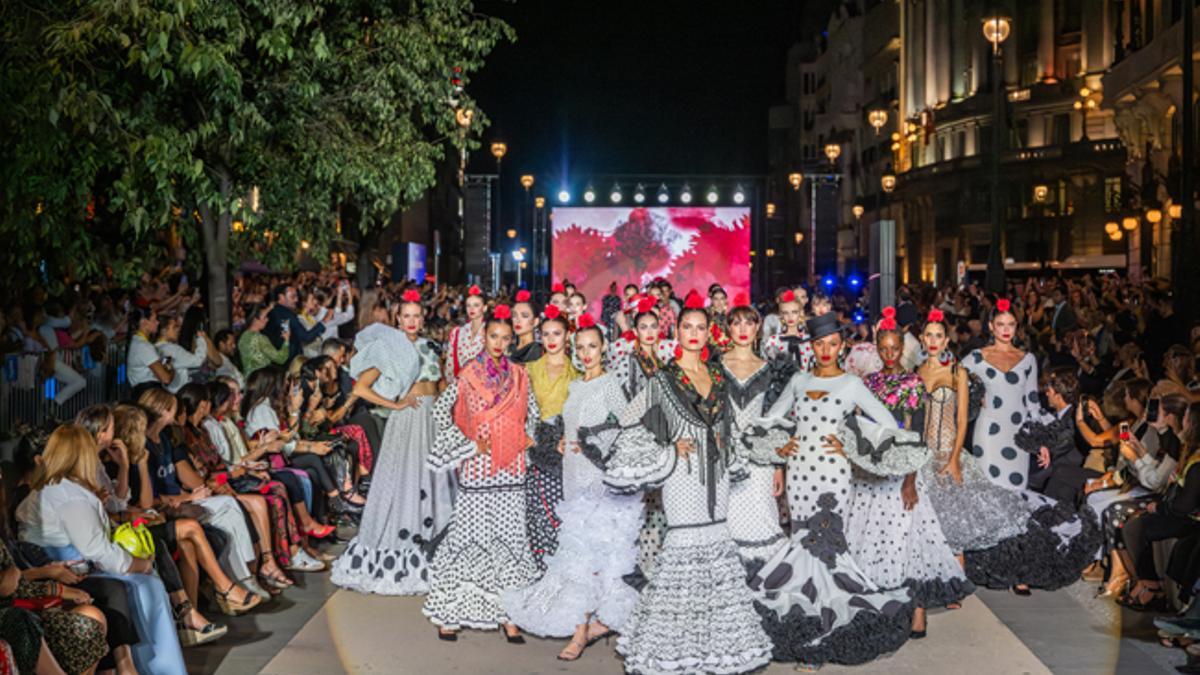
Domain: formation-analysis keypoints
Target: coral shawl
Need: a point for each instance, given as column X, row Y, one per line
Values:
column 493, row 402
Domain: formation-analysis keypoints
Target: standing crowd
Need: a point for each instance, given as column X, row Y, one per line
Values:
column 716, row 484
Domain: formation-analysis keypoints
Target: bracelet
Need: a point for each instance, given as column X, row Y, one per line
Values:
column 58, row 589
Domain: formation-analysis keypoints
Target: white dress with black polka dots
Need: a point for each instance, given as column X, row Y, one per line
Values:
column 753, row 508
column 817, row 605
column 1009, row 399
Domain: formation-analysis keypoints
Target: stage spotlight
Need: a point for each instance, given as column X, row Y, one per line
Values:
column 685, row 195
column 828, row 282
column 739, row 195
column 564, row 196
column 664, row 195
column 639, row 194
column 860, row 316
column 615, row 196
column 855, row 281
column 712, row 195
column 589, row 195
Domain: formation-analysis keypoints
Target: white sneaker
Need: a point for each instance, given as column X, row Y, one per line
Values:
column 303, row 562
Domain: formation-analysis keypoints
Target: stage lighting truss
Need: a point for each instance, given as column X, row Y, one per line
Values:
column 615, row 196
column 712, row 195
column 639, row 194
column 664, row 195
column 589, row 195
column 685, row 195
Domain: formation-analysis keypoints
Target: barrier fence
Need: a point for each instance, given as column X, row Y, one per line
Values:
column 27, row 395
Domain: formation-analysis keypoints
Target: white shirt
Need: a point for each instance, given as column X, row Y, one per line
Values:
column 68, row 514
column 262, row 416
column 141, row 356
column 217, row 434
column 228, row 369
column 183, row 361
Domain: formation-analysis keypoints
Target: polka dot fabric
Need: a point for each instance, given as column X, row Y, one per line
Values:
column 1008, row 399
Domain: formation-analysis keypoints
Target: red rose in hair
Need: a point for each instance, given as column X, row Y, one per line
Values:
column 557, row 287
column 411, row 296
column 646, row 304
column 551, row 312
column 787, row 296
column 936, row 315
column 693, row 300
column 741, row 300
column 1003, row 305
column 502, row 312
column 523, row 296
column 474, row 290
column 888, row 322
column 585, row 321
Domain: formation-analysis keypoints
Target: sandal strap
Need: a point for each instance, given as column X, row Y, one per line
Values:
column 182, row 609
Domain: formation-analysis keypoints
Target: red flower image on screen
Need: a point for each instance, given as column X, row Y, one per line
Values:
column 692, row 247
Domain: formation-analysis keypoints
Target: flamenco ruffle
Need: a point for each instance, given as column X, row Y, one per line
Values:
column 695, row 616
column 1040, row 557
column 881, row 450
column 933, row 593
column 386, row 572
column 639, row 461
column 584, row 577
column 802, row 637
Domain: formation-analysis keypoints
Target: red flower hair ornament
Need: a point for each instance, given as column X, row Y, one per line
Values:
column 741, row 300
column 888, row 322
column 551, row 312
column 585, row 321
column 646, row 304
column 502, row 312
column 787, row 296
column 474, row 290
column 693, row 300
column 411, row 295
column 936, row 316
column 557, row 287
column 1003, row 305
column 523, row 296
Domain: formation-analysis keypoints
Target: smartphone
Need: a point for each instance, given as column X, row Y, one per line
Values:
column 80, row 567
column 283, row 326
column 1152, row 410
column 1124, row 431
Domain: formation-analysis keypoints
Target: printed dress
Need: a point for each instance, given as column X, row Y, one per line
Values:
column 543, row 475
column 695, row 613
column 816, row 603
column 596, row 545
column 895, row 546
column 753, row 507
column 486, row 549
column 410, row 505
column 1009, row 397
column 796, row 349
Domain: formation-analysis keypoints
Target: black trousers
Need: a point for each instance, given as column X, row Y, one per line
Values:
column 111, row 598
column 370, row 424
column 322, row 481
column 1184, row 566
column 1140, row 534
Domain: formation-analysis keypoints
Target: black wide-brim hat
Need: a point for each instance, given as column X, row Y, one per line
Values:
column 823, row 325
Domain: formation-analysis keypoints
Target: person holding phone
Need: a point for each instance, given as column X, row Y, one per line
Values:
column 255, row 347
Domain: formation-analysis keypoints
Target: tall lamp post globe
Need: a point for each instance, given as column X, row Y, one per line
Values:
column 996, row 29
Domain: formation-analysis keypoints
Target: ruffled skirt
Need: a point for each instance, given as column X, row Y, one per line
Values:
column 754, row 515
column 406, row 515
column 696, row 613
column 975, row 514
column 596, row 548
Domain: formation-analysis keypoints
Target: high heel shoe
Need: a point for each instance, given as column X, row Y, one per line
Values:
column 230, row 607
column 572, row 656
column 320, row 531
column 603, row 636
column 517, row 639
column 1022, row 591
column 451, row 636
column 1117, row 586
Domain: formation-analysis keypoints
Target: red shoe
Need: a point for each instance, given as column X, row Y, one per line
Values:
column 320, row 532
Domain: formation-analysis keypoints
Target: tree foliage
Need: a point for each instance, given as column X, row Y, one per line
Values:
column 149, row 113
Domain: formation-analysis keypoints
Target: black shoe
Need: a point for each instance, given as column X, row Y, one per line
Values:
column 1023, row 592
column 339, row 505
column 364, row 485
column 517, row 639
column 447, row 637
column 916, row 634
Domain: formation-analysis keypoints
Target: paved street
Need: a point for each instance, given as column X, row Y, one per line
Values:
column 325, row 631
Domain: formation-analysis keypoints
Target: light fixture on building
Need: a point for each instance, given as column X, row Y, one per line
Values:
column 1116, row 236
column 888, row 182
column 739, row 195
column 895, row 147
column 523, row 250
column 518, row 255
column 463, row 117
column 712, row 196
column 1111, row 226
column 254, row 198
column 615, row 196
column 589, row 195
column 639, row 194
column 1129, row 222
column 770, row 253
column 512, row 234
column 1041, row 193
column 795, row 179
column 857, row 210
column 895, row 135
column 770, row 210
column 833, row 151
column 799, row 237
column 1153, row 216
column 304, row 244
column 995, row 31
column 524, row 264
column 664, row 195
column 1078, row 105
column 1175, row 211
column 499, row 149
column 877, row 118
column 539, row 202
column 1085, row 92
column 527, row 182
column 685, row 195
column 564, row 196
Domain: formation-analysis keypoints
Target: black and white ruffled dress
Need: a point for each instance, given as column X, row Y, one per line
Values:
column 753, row 507
column 696, row 613
column 816, row 603
column 596, row 544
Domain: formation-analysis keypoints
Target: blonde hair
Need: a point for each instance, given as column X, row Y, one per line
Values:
column 129, row 425
column 95, row 418
column 71, row 454
column 158, row 401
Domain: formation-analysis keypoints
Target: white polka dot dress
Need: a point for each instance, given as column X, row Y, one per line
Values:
column 1009, row 399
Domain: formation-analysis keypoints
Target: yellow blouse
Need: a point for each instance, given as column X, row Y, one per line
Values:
column 550, row 394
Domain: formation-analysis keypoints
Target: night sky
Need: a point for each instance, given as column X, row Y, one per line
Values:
column 656, row 86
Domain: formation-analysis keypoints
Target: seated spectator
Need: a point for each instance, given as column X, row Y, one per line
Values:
column 226, row 343
column 144, row 365
column 186, row 360
column 1056, row 469
column 255, row 348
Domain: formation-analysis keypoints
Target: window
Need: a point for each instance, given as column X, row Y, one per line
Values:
column 1062, row 129
column 1112, row 194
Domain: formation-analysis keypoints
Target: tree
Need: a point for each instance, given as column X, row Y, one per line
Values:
column 173, row 111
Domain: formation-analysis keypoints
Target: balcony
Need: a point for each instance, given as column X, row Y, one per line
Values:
column 1061, row 158
column 1145, row 65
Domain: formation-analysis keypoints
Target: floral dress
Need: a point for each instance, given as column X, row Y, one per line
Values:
column 695, row 613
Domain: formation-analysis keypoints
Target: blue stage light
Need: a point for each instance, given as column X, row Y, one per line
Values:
column 860, row 316
column 854, row 281
column 828, row 281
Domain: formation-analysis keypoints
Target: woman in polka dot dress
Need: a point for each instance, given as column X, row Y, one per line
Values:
column 485, row 422
column 1010, row 381
column 816, row 603
column 409, row 506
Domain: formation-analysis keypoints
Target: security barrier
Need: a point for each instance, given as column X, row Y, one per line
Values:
column 26, row 396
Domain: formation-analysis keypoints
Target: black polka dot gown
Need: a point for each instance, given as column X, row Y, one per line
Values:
column 1009, row 397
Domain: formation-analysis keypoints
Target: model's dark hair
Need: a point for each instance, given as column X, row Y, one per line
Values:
column 745, row 312
column 1063, row 380
column 560, row 320
column 191, row 396
column 265, row 384
column 691, row 310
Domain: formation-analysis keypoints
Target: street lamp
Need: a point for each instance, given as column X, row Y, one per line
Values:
column 1130, row 222
column 796, row 179
column 877, row 118
column 995, row 30
column 833, row 151
column 539, row 202
column 526, row 182
column 857, row 210
column 463, row 117
column 1111, row 226
column 499, row 150
column 1116, row 236
column 888, row 182
column 1154, row 216
column 1041, row 193
column 770, row 210
column 799, row 237
column 512, row 234
column 1175, row 211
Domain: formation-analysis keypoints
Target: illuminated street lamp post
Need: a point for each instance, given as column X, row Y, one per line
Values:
column 995, row 30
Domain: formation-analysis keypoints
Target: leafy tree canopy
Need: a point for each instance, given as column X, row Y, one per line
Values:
column 124, row 119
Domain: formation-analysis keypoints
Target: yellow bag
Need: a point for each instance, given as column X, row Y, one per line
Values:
column 135, row 538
